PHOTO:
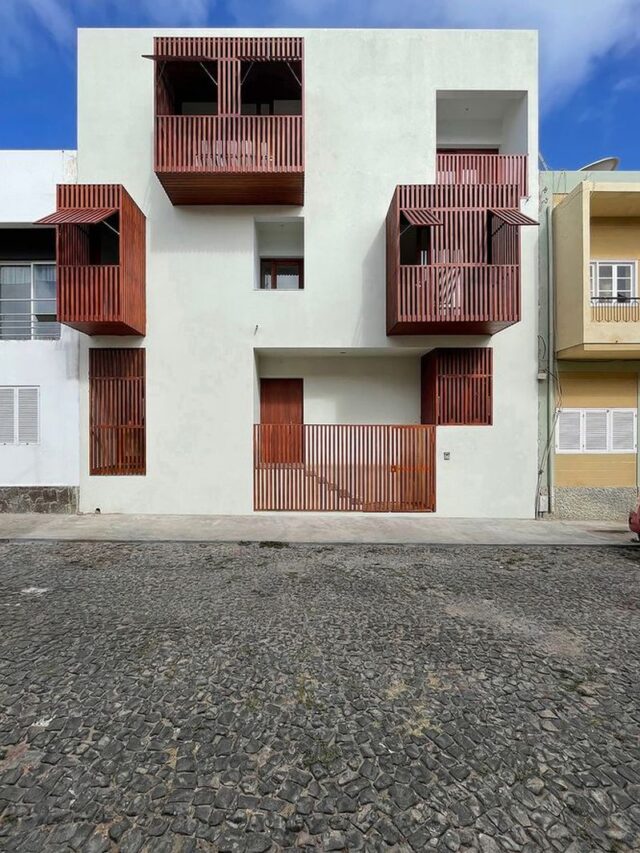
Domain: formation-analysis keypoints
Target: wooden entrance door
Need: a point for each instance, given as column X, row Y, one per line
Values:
column 281, row 405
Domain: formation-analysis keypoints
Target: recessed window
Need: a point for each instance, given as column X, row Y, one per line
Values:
column 596, row 431
column 19, row 415
column 281, row 274
column 613, row 282
column 28, row 302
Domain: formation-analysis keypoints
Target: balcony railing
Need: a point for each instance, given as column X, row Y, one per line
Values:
column 615, row 309
column 223, row 144
column 27, row 327
column 492, row 169
column 89, row 294
column 459, row 294
column 344, row 467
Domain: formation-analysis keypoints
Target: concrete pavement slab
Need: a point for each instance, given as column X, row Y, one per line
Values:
column 314, row 527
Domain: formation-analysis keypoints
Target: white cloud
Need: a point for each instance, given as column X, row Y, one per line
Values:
column 29, row 26
column 574, row 34
column 628, row 84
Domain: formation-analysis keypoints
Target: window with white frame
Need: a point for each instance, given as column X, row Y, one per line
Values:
column 613, row 281
column 28, row 302
column 19, row 414
column 596, row 431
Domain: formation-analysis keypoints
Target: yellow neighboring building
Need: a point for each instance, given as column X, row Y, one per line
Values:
column 590, row 331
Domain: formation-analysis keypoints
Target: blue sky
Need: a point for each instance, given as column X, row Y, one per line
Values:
column 589, row 58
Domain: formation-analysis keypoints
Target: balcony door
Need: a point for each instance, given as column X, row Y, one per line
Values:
column 282, row 413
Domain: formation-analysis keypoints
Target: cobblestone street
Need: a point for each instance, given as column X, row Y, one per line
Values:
column 253, row 697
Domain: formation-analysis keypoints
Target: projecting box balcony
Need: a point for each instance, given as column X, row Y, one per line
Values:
column 229, row 125
column 453, row 259
column 100, row 259
column 596, row 239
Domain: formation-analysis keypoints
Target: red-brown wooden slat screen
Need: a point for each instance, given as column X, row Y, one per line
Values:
column 225, row 47
column 458, row 293
column 345, row 468
column 237, row 144
column 101, row 298
column 117, row 440
column 228, row 143
column 457, row 387
column 491, row 169
column 470, row 275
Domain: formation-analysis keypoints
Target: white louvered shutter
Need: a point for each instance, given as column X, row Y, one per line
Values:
column 595, row 431
column 28, row 416
column 623, row 430
column 7, row 416
column 568, row 431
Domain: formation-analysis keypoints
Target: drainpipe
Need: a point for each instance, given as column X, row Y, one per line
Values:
column 551, row 362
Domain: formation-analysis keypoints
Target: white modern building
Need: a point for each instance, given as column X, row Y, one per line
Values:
column 300, row 269
column 39, row 387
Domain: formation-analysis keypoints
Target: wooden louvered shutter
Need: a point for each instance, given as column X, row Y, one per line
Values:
column 28, row 416
column 7, row 416
column 117, row 411
column 457, row 387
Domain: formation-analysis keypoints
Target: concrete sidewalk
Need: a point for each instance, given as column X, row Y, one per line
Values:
column 309, row 527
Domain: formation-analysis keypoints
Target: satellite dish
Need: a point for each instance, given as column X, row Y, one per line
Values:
column 607, row 164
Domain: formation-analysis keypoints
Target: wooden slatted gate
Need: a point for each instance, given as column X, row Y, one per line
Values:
column 346, row 467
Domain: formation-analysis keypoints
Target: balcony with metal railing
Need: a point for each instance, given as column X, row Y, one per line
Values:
column 596, row 235
column 615, row 309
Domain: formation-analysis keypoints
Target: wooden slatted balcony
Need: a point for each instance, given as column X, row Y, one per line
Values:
column 100, row 259
column 344, row 467
column 230, row 159
column 483, row 169
column 229, row 125
column 456, row 299
column 453, row 252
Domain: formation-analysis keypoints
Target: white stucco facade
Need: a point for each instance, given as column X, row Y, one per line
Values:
column 371, row 104
column 28, row 180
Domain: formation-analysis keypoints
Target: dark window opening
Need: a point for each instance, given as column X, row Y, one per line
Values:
column 415, row 244
column 271, row 88
column 281, row 274
column 188, row 88
column 459, row 150
column 27, row 244
column 104, row 241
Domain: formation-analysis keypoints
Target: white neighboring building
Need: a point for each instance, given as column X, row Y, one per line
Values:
column 281, row 363
column 39, row 389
